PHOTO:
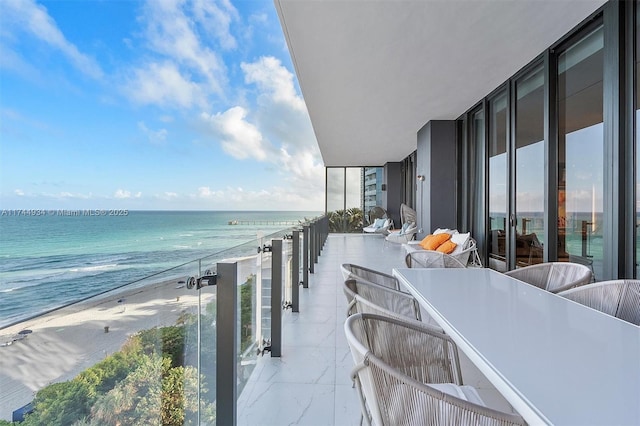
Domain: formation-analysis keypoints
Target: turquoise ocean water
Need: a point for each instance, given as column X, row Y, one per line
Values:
column 51, row 259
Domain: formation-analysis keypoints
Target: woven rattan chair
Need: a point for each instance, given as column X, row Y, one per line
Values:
column 468, row 257
column 554, row 276
column 619, row 298
column 378, row 298
column 407, row 374
column 403, row 235
column 351, row 271
column 432, row 259
column 407, row 214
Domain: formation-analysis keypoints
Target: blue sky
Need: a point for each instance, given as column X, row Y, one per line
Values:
column 153, row 104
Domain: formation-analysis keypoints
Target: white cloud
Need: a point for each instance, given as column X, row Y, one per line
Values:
column 207, row 193
column 19, row 192
column 182, row 67
column 163, row 84
column 173, row 34
column 216, row 18
column 68, row 195
column 240, row 138
column 156, row 137
column 124, row 194
column 277, row 132
column 274, row 81
column 34, row 19
column 167, row 196
column 272, row 198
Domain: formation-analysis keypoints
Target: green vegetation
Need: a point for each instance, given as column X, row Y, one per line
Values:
column 149, row 381
column 246, row 313
column 350, row 220
column 152, row 380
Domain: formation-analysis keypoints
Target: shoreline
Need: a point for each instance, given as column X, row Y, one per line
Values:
column 65, row 342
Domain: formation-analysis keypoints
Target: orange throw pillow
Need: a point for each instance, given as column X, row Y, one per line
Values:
column 432, row 242
column 447, row 247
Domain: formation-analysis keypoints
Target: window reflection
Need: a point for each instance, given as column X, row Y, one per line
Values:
column 580, row 152
column 530, row 168
column 498, row 182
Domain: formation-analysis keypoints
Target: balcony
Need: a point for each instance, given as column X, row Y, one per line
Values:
column 309, row 383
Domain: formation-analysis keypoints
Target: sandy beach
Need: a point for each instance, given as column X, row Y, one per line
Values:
column 63, row 343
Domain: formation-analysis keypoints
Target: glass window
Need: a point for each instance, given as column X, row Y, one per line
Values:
column 498, row 182
column 345, row 199
column 529, row 169
column 475, row 187
column 580, row 152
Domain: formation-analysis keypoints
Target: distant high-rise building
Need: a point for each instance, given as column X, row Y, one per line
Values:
column 372, row 188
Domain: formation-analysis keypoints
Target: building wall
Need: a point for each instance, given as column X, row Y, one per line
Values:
column 436, row 184
column 569, row 113
column 392, row 195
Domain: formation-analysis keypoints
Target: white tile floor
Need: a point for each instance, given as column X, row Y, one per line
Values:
column 310, row 384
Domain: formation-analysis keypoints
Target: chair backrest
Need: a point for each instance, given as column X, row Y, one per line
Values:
column 554, row 276
column 378, row 299
column 403, row 236
column 351, row 271
column 619, row 298
column 432, row 259
column 376, row 212
column 407, row 214
column 395, row 363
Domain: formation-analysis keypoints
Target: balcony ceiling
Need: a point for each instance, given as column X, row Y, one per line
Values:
column 372, row 73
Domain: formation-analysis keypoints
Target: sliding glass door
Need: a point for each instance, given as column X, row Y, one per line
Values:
column 581, row 152
column 498, row 182
column 529, row 168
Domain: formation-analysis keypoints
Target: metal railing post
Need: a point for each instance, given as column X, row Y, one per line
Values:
column 318, row 238
column 295, row 271
column 305, row 256
column 227, row 343
column 312, row 246
column 276, row 297
column 326, row 227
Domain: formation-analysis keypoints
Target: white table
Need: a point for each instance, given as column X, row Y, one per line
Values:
column 555, row 361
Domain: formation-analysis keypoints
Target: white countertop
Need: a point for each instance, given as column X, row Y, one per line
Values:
column 555, row 361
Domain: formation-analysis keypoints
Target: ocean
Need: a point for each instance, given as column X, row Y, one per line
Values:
column 52, row 258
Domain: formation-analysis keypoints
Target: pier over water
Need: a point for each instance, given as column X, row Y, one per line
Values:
column 265, row 222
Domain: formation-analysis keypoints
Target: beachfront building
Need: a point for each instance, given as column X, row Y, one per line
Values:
column 513, row 120
column 372, row 184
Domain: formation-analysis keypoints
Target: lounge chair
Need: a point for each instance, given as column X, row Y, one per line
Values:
column 379, row 226
column 465, row 253
column 404, row 235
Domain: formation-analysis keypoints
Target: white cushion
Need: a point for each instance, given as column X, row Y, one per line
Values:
column 461, row 239
column 379, row 223
column 404, row 228
column 467, row 393
column 443, row 230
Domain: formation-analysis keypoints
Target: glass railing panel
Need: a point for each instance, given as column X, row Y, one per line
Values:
column 127, row 356
column 249, row 293
column 143, row 353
